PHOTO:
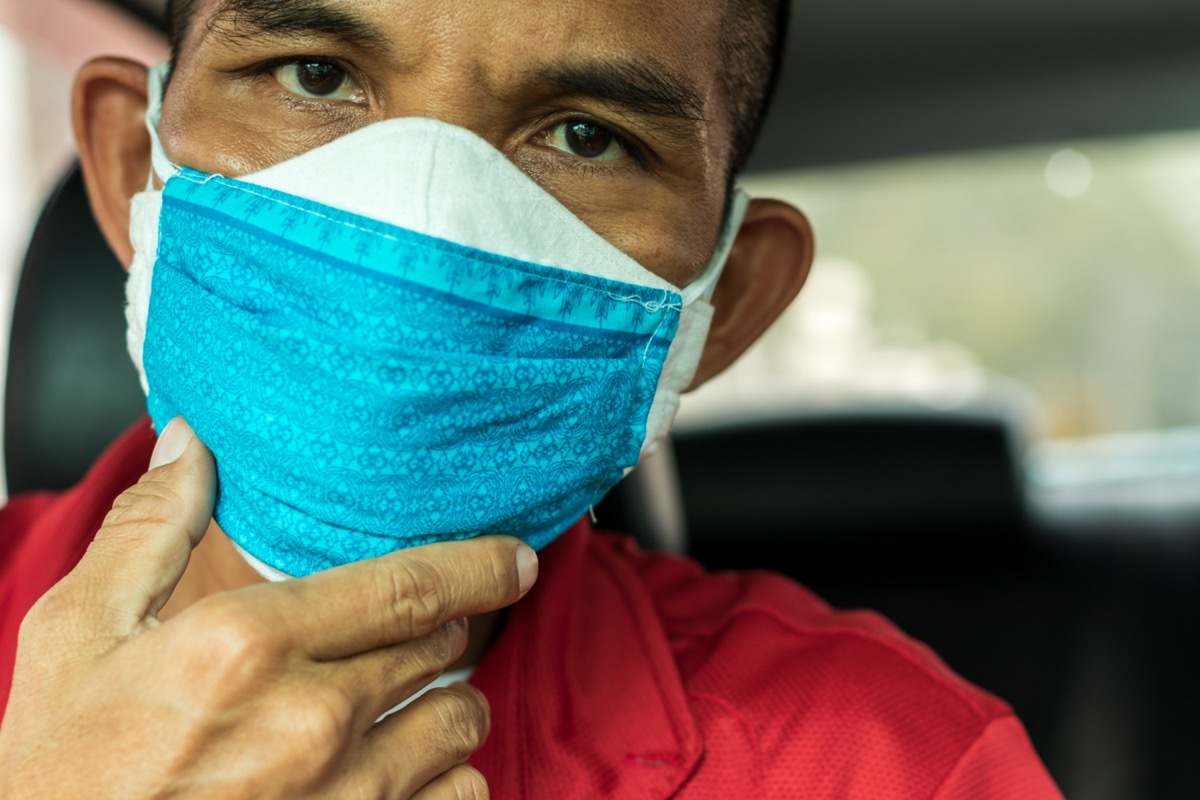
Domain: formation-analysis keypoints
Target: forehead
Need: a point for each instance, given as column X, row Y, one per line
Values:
column 480, row 51
column 508, row 70
column 682, row 33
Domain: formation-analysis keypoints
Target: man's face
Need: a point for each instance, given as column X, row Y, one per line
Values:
column 615, row 107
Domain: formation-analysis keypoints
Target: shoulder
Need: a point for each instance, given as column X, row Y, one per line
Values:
column 56, row 520
column 758, row 617
column 843, row 698
column 16, row 520
column 43, row 535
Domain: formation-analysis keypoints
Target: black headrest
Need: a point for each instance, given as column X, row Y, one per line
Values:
column 71, row 386
column 891, row 485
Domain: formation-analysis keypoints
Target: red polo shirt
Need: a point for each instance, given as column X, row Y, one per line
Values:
column 636, row 675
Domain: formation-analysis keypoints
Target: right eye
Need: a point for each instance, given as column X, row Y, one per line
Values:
column 587, row 140
column 318, row 80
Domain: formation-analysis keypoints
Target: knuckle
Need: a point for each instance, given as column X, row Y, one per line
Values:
column 461, row 720
column 504, row 575
column 147, row 502
column 320, row 721
column 303, row 738
column 448, row 642
column 39, row 620
column 50, row 607
column 468, row 783
column 438, row 649
column 65, row 613
column 412, row 593
column 138, row 511
column 233, row 642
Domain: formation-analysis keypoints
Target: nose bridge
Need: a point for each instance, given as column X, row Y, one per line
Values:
column 453, row 83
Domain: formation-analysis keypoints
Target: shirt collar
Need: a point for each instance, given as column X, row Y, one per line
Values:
column 585, row 692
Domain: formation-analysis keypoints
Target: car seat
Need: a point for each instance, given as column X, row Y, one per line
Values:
column 71, row 387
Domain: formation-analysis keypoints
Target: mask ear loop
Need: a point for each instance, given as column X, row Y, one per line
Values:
column 702, row 288
column 160, row 165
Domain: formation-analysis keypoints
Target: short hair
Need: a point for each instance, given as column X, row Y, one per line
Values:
column 753, row 39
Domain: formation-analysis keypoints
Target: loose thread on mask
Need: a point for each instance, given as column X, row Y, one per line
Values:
column 653, row 306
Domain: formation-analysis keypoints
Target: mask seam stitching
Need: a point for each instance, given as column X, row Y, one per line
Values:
column 650, row 306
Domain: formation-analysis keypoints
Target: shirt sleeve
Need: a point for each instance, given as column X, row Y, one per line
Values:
column 1000, row 765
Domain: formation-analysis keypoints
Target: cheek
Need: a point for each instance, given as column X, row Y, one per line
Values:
column 224, row 139
column 671, row 233
column 674, row 242
column 674, row 250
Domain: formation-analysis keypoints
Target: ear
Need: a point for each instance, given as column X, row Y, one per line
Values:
column 108, row 111
column 767, row 266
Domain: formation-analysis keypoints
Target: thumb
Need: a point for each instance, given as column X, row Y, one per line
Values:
column 143, row 547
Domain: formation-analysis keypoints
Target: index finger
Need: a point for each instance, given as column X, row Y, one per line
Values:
column 401, row 596
column 143, row 547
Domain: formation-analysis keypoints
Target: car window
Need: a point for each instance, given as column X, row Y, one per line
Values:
column 1059, row 283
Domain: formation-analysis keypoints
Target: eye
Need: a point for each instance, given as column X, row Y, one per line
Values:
column 321, row 80
column 587, row 140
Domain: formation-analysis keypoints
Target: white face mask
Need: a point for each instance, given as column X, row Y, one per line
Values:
column 418, row 206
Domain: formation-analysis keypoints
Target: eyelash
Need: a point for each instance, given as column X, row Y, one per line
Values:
column 636, row 151
column 265, row 68
column 632, row 147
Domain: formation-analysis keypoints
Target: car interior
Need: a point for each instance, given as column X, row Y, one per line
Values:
column 1076, row 609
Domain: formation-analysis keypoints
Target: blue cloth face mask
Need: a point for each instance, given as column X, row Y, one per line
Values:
column 398, row 338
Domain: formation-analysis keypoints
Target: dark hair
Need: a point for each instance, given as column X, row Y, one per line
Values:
column 752, row 45
column 179, row 18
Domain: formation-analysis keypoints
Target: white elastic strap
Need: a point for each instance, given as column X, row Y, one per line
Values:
column 702, row 288
column 266, row 570
column 160, row 165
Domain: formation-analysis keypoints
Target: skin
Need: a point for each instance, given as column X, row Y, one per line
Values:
column 159, row 669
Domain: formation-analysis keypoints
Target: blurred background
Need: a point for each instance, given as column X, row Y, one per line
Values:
column 983, row 415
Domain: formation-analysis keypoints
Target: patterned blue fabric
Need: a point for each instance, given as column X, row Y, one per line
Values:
column 366, row 388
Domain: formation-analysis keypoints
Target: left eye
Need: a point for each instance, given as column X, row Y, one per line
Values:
column 586, row 140
column 318, row 79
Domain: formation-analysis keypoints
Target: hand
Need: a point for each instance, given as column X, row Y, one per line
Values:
column 271, row 691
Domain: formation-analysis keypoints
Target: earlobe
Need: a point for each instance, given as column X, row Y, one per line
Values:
column 767, row 267
column 108, row 113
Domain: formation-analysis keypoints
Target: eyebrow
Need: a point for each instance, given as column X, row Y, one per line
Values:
column 238, row 19
column 640, row 87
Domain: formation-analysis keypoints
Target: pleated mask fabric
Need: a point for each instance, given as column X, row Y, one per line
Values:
column 399, row 338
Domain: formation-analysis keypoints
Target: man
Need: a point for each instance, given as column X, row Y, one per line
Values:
column 158, row 662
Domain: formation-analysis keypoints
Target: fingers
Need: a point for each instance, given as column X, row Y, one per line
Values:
column 381, row 679
column 464, row 782
column 141, row 550
column 403, row 595
column 417, row 744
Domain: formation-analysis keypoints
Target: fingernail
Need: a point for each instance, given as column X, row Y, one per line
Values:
column 171, row 444
column 527, row 568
